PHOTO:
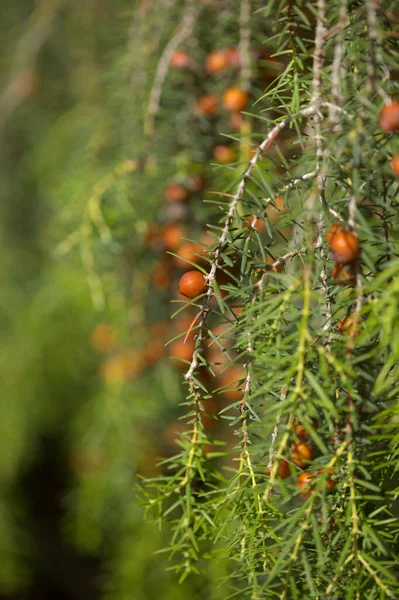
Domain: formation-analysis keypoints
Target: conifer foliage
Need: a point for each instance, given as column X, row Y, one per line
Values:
column 288, row 464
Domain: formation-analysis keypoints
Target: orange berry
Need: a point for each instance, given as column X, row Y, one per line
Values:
column 259, row 225
column 236, row 120
column 344, row 246
column 229, row 379
column 192, row 284
column 217, row 61
column 335, row 228
column 175, row 192
column 270, row 262
column 103, row 337
column 172, row 235
column 283, row 470
column 235, row 99
column 181, row 60
column 304, row 482
column 300, row 430
column 301, row 453
column 389, row 117
column 208, row 104
column 181, row 350
column 344, row 276
column 224, row 154
column 395, row 165
column 189, row 251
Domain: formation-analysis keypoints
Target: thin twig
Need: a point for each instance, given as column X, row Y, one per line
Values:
column 264, row 146
column 38, row 31
column 183, row 32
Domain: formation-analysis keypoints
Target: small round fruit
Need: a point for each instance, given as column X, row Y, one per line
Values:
column 235, row 99
column 217, row 61
column 259, row 224
column 335, row 228
column 236, row 120
column 278, row 268
column 389, row 117
column 189, row 253
column 172, row 234
column 224, row 154
column 304, row 483
column 192, row 284
column 300, row 430
column 208, row 104
column 283, row 470
column 345, row 247
column 344, row 276
column 395, row 165
column 181, row 60
column 301, row 453
column 176, row 192
column 181, row 351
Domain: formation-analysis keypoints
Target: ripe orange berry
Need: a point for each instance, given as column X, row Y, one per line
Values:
column 389, row 117
column 300, row 430
column 283, row 470
column 344, row 276
column 217, row 61
column 270, row 262
column 175, row 192
column 301, row 453
column 181, row 60
column 229, row 379
column 235, row 99
column 181, row 350
column 304, row 482
column 236, row 120
column 208, row 104
column 344, row 246
column 395, row 165
column 192, row 284
column 224, row 154
column 335, row 228
column 189, row 251
column 259, row 225
column 172, row 235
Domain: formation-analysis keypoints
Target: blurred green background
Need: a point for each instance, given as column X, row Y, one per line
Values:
column 77, row 422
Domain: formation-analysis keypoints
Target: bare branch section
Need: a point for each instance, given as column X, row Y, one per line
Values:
column 39, row 29
column 244, row 45
column 183, row 32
